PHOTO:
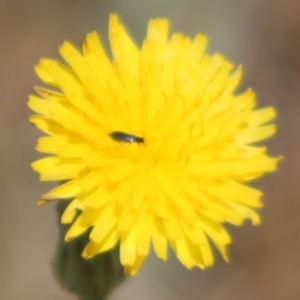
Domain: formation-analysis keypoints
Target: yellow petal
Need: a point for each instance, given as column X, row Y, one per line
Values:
column 77, row 228
column 104, row 225
column 255, row 134
column 65, row 191
column 120, row 42
column 159, row 238
column 143, row 232
column 136, row 266
column 128, row 250
column 261, row 116
column 70, row 212
column 53, row 168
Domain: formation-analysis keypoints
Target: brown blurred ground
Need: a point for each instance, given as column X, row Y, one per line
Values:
column 263, row 35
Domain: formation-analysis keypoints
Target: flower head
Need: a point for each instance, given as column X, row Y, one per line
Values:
column 155, row 144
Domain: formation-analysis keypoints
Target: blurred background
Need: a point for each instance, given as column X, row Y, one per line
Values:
column 263, row 35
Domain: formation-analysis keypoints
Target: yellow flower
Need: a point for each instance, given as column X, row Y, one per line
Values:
column 155, row 145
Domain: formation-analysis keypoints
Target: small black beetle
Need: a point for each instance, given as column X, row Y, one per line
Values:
column 123, row 137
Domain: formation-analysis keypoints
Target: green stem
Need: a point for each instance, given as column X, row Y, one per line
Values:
column 91, row 279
